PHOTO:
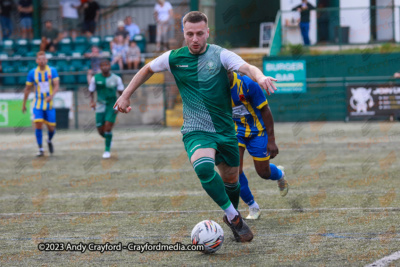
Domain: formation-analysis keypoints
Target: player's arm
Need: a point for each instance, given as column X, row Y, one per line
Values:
column 233, row 62
column 256, row 75
column 123, row 102
column 259, row 101
column 92, row 88
column 268, row 120
column 30, row 79
column 56, row 85
column 27, row 90
column 159, row 64
column 120, row 86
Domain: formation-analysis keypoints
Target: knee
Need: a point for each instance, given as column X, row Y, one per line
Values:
column 204, row 170
column 265, row 174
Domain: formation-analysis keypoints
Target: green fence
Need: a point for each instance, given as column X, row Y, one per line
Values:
column 327, row 78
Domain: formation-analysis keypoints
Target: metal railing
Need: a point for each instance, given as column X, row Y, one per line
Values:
column 342, row 26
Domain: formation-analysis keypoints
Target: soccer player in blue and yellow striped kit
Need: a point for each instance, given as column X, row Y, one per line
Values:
column 46, row 82
column 254, row 127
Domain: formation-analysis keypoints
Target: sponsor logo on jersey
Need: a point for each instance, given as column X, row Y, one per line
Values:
column 182, row 66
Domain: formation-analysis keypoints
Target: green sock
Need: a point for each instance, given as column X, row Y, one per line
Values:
column 215, row 189
column 108, row 137
column 211, row 181
column 233, row 191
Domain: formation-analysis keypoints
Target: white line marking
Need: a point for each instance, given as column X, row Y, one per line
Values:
column 187, row 211
column 385, row 260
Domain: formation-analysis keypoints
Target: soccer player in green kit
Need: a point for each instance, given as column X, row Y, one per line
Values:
column 106, row 84
column 200, row 72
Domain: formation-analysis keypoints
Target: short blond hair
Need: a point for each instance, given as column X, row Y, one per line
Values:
column 40, row 53
column 195, row 17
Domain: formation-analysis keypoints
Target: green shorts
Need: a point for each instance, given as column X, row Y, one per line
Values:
column 105, row 112
column 226, row 146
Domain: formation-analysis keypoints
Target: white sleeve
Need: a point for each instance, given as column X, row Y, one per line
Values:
column 120, row 84
column 161, row 63
column 230, row 60
column 92, row 85
column 169, row 6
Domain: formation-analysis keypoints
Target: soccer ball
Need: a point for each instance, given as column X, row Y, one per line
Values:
column 209, row 234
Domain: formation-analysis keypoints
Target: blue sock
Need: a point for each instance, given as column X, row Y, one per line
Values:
column 276, row 173
column 39, row 136
column 245, row 192
column 51, row 134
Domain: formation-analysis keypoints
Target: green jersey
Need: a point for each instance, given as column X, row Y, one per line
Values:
column 106, row 87
column 204, row 86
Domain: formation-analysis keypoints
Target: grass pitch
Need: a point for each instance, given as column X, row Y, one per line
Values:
column 341, row 210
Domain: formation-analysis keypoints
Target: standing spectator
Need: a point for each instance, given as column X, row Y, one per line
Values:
column 133, row 56
column 70, row 17
column 50, row 37
column 131, row 27
column 94, row 56
column 6, row 7
column 304, row 9
column 162, row 14
column 91, row 11
column 118, row 49
column 122, row 31
column 25, row 9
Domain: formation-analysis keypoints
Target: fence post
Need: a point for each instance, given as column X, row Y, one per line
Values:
column 165, row 104
column 393, row 24
column 76, row 108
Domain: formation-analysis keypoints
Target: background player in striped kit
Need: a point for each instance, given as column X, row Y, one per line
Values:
column 46, row 82
column 254, row 127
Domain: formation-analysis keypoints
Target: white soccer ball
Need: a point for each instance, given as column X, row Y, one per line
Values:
column 209, row 234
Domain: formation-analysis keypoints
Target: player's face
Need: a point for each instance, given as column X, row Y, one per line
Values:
column 196, row 35
column 41, row 61
column 105, row 67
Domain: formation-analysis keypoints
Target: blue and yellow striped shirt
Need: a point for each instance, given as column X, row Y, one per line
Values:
column 43, row 82
column 247, row 100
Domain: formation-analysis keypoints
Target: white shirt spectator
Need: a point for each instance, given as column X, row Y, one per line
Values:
column 67, row 9
column 163, row 11
column 133, row 29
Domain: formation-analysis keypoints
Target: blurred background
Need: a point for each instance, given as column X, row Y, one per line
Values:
column 335, row 60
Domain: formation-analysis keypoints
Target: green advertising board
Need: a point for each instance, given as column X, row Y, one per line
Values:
column 11, row 114
column 291, row 74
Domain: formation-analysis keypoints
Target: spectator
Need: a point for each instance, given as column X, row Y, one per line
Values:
column 50, row 37
column 119, row 49
column 131, row 27
column 25, row 9
column 70, row 17
column 121, row 31
column 304, row 9
column 133, row 56
column 91, row 11
column 162, row 15
column 6, row 7
column 94, row 56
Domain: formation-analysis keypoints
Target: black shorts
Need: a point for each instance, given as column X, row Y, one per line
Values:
column 89, row 26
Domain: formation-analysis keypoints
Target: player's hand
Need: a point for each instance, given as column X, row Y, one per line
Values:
column 272, row 149
column 397, row 75
column 267, row 84
column 23, row 109
column 93, row 105
column 49, row 98
column 123, row 105
column 299, row 9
